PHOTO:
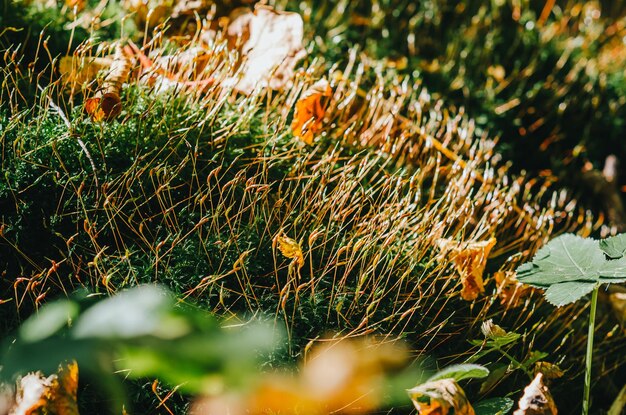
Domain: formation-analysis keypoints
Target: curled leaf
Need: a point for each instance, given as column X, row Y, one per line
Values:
column 270, row 44
column 290, row 249
column 309, row 114
column 55, row 394
column 537, row 399
column 440, row 397
column 470, row 259
column 107, row 104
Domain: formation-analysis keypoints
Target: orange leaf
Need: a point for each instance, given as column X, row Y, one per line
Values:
column 470, row 259
column 309, row 115
column 290, row 249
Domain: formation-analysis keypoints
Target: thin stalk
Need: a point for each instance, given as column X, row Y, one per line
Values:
column 589, row 355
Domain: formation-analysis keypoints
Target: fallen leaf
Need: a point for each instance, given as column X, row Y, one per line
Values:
column 107, row 104
column 537, row 399
column 290, row 249
column 148, row 13
column 510, row 290
column 270, row 45
column 440, row 397
column 470, row 259
column 309, row 114
column 55, row 394
column 76, row 71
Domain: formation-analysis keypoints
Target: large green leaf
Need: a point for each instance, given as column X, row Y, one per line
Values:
column 460, row 372
column 568, row 292
column 615, row 246
column 564, row 259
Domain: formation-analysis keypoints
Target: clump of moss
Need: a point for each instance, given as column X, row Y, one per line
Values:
column 527, row 72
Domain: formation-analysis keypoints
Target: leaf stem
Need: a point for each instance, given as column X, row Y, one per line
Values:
column 589, row 355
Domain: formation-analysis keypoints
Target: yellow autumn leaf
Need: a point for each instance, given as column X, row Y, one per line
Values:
column 469, row 259
column 309, row 114
column 290, row 249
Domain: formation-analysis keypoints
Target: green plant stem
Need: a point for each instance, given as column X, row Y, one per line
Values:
column 516, row 363
column 589, row 355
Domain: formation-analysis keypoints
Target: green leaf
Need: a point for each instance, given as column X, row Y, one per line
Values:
column 460, row 372
column 568, row 292
column 50, row 319
column 615, row 246
column 501, row 341
column 565, row 259
column 494, row 406
column 140, row 311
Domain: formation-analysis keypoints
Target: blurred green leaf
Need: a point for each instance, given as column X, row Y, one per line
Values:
column 50, row 319
column 141, row 311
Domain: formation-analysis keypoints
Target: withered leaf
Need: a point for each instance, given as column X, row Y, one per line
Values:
column 106, row 105
column 290, row 249
column 470, row 259
column 270, row 43
column 309, row 114
column 76, row 71
column 56, row 394
column 440, row 397
column 537, row 399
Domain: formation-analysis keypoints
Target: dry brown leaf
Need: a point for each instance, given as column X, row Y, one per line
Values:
column 270, row 45
column 55, row 394
column 148, row 13
column 107, row 104
column 470, row 259
column 510, row 290
column 537, row 399
column 309, row 114
column 440, row 397
column 290, row 249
